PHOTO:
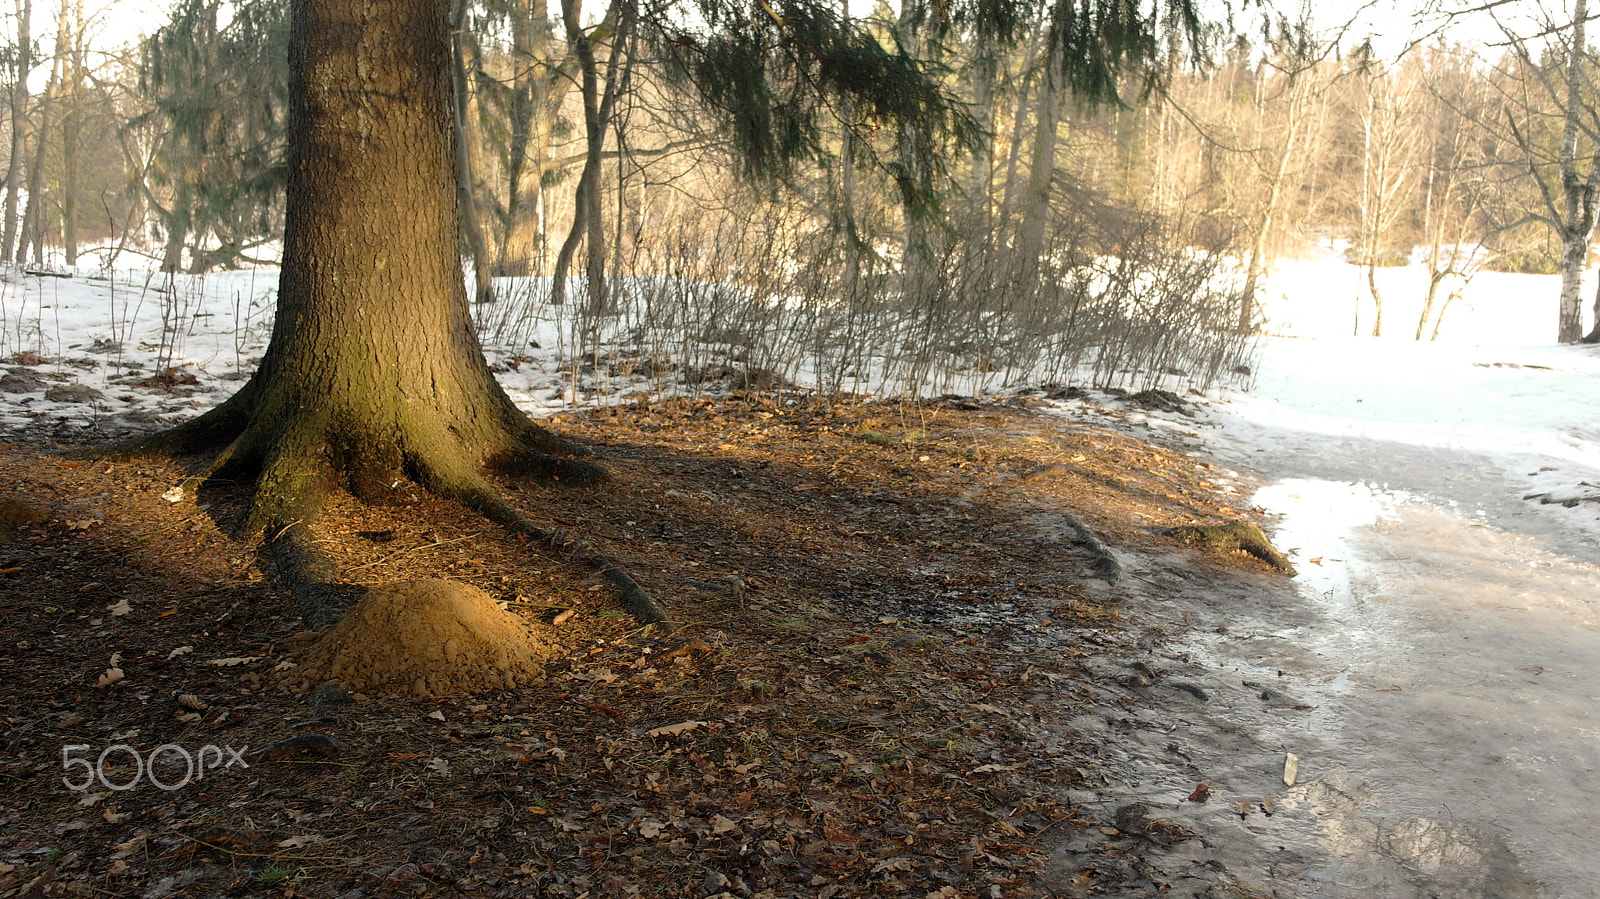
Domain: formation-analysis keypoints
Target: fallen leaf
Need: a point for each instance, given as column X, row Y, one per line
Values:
column 1291, row 768
column 234, row 661
column 119, row 608
column 1202, row 792
column 722, row 824
column 436, row 715
column 1243, row 808
column 990, row 769
column 297, row 842
column 180, row 651
column 650, row 828
column 1532, row 669
column 673, row 730
column 174, row 495
column 898, row 863
column 439, row 766
column 111, row 676
column 1268, row 805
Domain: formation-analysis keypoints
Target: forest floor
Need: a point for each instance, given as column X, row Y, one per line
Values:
column 892, row 638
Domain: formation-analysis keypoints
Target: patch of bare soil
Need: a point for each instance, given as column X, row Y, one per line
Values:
column 882, row 638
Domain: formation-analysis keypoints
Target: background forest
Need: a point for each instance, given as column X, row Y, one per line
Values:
column 1047, row 226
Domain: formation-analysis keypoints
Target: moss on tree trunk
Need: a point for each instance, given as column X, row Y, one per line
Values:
column 374, row 372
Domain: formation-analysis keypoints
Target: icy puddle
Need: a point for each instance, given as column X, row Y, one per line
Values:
column 1453, row 675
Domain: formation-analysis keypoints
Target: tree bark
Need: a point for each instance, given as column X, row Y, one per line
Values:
column 1579, row 222
column 374, row 372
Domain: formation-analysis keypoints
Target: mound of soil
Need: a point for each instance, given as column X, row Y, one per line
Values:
column 428, row 637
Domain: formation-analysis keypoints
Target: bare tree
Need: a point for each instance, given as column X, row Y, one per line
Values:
column 1385, row 104
column 1457, row 181
column 1569, row 184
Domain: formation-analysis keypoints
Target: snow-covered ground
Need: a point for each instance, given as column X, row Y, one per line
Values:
column 1406, row 414
column 84, row 349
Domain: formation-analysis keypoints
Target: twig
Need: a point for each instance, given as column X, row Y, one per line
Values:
column 412, row 549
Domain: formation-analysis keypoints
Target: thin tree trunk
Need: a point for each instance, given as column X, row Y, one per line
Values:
column 980, row 183
column 1035, row 212
column 466, row 165
column 1019, row 119
column 1377, row 299
column 847, row 202
column 1594, row 333
column 537, row 90
column 33, row 226
column 1256, row 266
column 1579, row 222
column 588, row 224
column 20, row 128
column 71, row 129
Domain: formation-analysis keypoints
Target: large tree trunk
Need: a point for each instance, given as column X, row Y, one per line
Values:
column 374, row 372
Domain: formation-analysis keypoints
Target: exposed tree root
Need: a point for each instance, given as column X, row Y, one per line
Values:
column 1105, row 563
column 295, row 471
column 472, row 490
column 313, row 578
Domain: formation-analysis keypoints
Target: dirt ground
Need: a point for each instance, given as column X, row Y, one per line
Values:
column 888, row 617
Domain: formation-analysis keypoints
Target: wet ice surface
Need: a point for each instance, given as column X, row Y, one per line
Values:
column 1435, row 663
column 1463, row 691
